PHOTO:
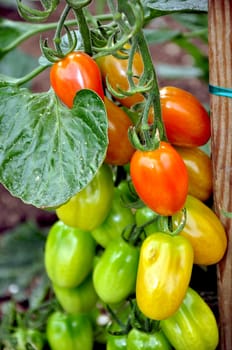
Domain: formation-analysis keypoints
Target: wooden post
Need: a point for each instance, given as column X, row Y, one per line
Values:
column 220, row 66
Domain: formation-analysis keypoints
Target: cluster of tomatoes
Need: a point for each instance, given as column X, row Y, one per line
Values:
column 102, row 251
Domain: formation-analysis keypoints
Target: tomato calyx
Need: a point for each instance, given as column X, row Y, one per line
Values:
column 55, row 55
column 135, row 234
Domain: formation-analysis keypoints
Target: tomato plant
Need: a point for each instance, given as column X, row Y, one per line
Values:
column 29, row 337
column 103, row 123
column 75, row 72
column 160, row 178
column 89, row 207
column 164, row 272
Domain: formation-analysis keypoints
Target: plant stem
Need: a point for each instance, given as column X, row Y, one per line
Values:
column 30, row 75
column 57, row 36
column 84, row 30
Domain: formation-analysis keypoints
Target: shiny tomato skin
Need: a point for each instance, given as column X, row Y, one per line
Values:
column 75, row 72
column 160, row 178
column 114, row 70
column 186, row 120
column 200, row 172
column 119, row 150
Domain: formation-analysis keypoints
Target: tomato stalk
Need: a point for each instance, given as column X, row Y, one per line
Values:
column 26, row 78
column 144, row 136
column 84, row 30
column 134, row 234
column 140, row 321
column 57, row 36
column 124, row 327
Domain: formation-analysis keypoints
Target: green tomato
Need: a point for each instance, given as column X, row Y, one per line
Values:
column 89, row 207
column 140, row 340
column 114, row 276
column 118, row 218
column 69, row 332
column 28, row 336
column 143, row 216
column 116, row 342
column 82, row 298
column 127, row 191
column 69, row 255
column 193, row 326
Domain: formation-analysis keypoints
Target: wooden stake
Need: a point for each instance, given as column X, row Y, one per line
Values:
column 220, row 66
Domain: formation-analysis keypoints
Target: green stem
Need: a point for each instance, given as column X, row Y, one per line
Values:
column 150, row 72
column 84, row 30
column 30, row 75
column 34, row 29
column 57, row 36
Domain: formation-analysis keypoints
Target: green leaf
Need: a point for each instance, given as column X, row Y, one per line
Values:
column 21, row 259
column 25, row 64
column 160, row 36
column 171, row 6
column 48, row 152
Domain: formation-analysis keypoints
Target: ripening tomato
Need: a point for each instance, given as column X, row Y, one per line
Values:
column 186, row 121
column 164, row 272
column 89, row 208
column 75, row 72
column 114, row 70
column 200, row 172
column 120, row 150
column 193, row 326
column 160, row 178
column 204, row 230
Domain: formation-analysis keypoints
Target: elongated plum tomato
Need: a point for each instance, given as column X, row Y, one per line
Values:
column 120, row 150
column 186, row 120
column 200, row 171
column 114, row 71
column 160, row 178
column 75, row 72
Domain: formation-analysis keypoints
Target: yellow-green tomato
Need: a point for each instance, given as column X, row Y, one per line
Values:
column 193, row 326
column 117, row 220
column 82, row 298
column 164, row 272
column 69, row 255
column 89, row 207
column 204, row 231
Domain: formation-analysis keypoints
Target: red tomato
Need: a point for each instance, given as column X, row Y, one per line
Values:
column 186, row 120
column 75, row 72
column 120, row 150
column 160, row 178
